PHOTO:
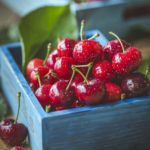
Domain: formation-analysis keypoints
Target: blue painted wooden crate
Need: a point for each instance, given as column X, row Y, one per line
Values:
column 118, row 126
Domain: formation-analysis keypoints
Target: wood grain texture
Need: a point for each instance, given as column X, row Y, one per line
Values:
column 123, row 125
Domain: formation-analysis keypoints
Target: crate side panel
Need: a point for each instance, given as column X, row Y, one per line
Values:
column 10, row 86
column 123, row 127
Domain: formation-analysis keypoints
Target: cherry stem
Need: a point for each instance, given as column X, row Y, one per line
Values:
column 18, row 96
column 82, row 29
column 82, row 66
column 83, row 76
column 123, row 96
column 117, row 37
column 94, row 36
column 48, row 51
column 71, row 79
column 47, row 108
column 147, row 70
column 38, row 78
column 89, row 69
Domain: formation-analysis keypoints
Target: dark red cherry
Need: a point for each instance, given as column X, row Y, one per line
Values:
column 128, row 61
column 34, row 63
column 42, row 94
column 52, row 59
column 59, row 96
column 103, row 70
column 135, row 85
column 63, row 67
column 87, row 51
column 90, row 93
column 113, row 92
column 113, row 47
column 65, row 47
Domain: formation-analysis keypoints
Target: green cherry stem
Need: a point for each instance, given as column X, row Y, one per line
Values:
column 117, row 37
column 71, row 79
column 147, row 70
column 38, row 78
column 47, row 108
column 18, row 96
column 82, row 30
column 48, row 51
column 94, row 36
column 78, row 71
column 89, row 69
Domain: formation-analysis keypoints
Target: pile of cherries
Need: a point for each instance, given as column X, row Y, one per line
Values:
column 83, row 72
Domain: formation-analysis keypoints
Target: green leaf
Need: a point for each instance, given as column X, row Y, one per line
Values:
column 42, row 26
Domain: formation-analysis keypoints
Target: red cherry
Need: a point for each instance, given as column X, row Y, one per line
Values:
column 113, row 47
column 59, row 108
column 11, row 132
column 52, row 59
column 17, row 148
column 128, row 61
column 113, row 92
column 42, row 94
column 59, row 96
column 90, row 93
column 78, row 79
column 65, row 47
column 45, row 75
column 87, row 51
column 63, row 67
column 103, row 70
column 34, row 63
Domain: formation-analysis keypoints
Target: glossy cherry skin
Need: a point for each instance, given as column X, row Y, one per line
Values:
column 135, row 85
column 59, row 96
column 65, row 47
column 103, row 70
column 127, row 62
column 78, row 79
column 45, row 76
column 34, row 63
column 42, row 94
column 87, row 51
column 113, row 47
column 63, row 67
column 11, row 133
column 90, row 93
column 113, row 92
column 52, row 59
column 17, row 148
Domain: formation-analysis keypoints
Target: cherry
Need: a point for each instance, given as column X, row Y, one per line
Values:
column 87, row 50
column 42, row 94
column 135, row 85
column 34, row 63
column 11, row 132
column 127, row 61
column 52, row 59
column 113, row 47
column 78, row 78
column 63, row 67
column 103, row 70
column 44, row 74
column 17, row 148
column 113, row 92
column 60, row 95
column 91, row 92
column 65, row 47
